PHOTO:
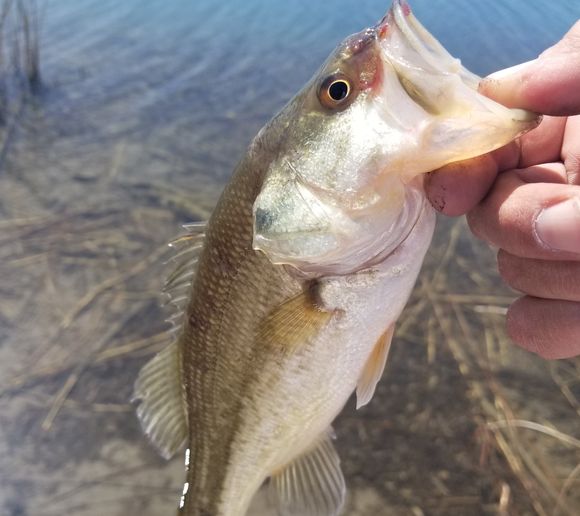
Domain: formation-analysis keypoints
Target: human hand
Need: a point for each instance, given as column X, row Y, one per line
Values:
column 525, row 199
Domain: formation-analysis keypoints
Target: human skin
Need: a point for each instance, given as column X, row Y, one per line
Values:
column 525, row 199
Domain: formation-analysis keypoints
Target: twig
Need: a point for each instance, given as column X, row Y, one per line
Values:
column 80, row 367
column 530, row 425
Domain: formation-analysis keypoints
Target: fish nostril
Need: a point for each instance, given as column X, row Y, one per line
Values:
column 362, row 40
column 263, row 219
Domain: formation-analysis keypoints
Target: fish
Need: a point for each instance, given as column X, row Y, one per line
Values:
column 287, row 298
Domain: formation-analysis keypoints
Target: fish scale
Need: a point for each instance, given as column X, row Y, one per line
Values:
column 219, row 353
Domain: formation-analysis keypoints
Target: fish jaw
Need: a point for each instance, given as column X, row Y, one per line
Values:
column 454, row 121
column 327, row 199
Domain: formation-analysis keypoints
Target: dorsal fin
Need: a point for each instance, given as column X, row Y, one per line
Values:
column 373, row 369
column 311, row 485
column 177, row 284
column 159, row 386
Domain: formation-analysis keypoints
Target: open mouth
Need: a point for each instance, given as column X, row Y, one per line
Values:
column 405, row 40
column 410, row 47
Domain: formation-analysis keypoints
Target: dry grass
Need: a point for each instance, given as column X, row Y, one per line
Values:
column 534, row 425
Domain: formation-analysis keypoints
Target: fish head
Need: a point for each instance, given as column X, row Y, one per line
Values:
column 389, row 104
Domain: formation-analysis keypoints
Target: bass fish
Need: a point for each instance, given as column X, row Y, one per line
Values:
column 290, row 293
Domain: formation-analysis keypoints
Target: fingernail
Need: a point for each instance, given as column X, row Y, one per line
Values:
column 513, row 70
column 558, row 227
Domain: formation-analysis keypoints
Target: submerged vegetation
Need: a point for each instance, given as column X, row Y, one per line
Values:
column 462, row 422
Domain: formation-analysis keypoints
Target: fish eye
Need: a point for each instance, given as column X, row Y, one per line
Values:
column 335, row 91
column 338, row 90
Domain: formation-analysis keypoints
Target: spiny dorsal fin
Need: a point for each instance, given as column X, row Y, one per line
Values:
column 312, row 485
column 178, row 282
column 161, row 411
column 159, row 386
column 293, row 322
column 373, row 369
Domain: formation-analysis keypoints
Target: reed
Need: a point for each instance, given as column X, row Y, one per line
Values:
column 20, row 75
column 28, row 16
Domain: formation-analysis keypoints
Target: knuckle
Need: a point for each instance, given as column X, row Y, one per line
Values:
column 530, row 331
column 522, row 329
column 474, row 221
column 504, row 266
column 513, row 326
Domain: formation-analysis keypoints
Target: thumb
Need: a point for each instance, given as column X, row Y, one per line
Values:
column 549, row 84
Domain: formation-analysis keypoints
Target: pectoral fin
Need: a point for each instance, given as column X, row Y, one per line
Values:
column 373, row 369
column 293, row 323
column 312, row 485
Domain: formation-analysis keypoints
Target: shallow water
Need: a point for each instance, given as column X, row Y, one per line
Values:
column 145, row 109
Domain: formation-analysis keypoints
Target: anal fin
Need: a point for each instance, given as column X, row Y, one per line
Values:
column 374, row 367
column 313, row 484
column 161, row 410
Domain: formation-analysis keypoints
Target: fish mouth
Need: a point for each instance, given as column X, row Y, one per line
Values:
column 428, row 53
column 422, row 50
column 439, row 98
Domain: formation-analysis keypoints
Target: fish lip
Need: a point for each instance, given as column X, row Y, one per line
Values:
column 382, row 27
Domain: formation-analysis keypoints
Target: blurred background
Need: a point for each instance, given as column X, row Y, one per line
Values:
column 119, row 121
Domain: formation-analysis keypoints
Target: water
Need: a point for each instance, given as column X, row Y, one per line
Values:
column 145, row 109
column 196, row 80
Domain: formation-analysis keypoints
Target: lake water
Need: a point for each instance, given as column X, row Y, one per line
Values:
column 145, row 108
